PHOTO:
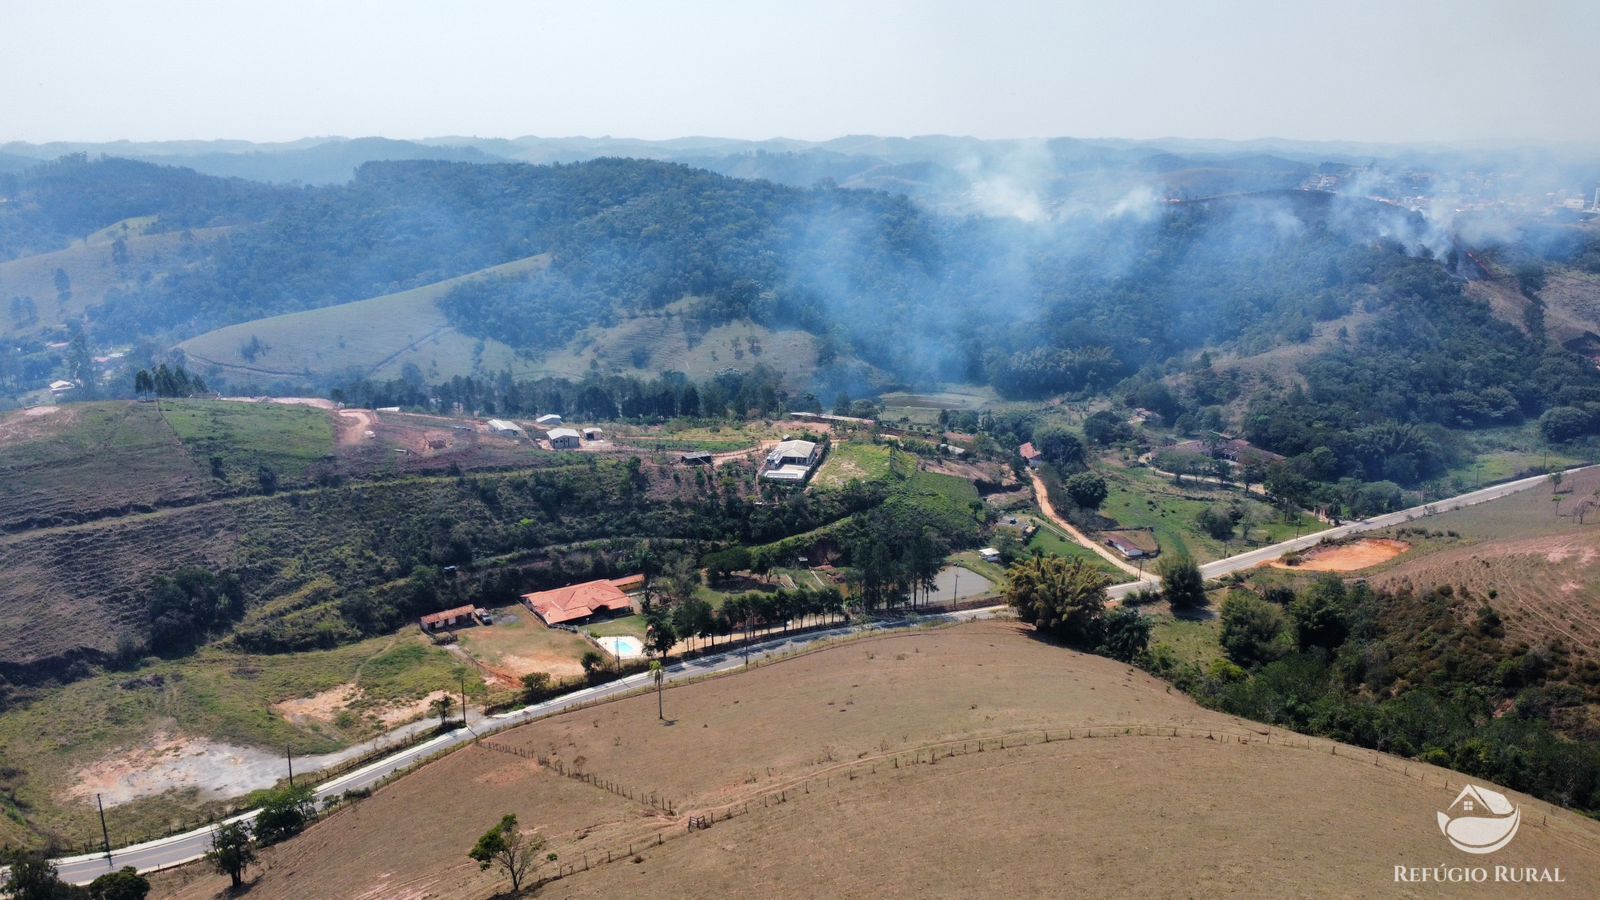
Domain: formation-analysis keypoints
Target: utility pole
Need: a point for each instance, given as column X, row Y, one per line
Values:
column 105, row 834
column 463, row 698
column 288, row 754
column 955, row 590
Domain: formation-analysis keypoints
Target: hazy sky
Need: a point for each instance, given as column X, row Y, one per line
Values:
column 1395, row 70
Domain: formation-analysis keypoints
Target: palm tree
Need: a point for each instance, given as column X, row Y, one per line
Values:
column 658, row 673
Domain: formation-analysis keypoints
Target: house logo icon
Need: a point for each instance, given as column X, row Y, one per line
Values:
column 1480, row 820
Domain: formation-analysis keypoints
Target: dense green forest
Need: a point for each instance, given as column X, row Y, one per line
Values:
column 1407, row 673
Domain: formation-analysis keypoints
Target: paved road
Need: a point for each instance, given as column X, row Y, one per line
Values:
column 192, row 845
column 1269, row 553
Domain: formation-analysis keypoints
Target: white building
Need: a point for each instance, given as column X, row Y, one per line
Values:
column 564, row 439
column 790, row 461
column 549, row 420
column 593, row 434
column 504, row 428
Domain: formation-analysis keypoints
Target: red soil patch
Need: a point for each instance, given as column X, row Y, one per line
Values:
column 1351, row 557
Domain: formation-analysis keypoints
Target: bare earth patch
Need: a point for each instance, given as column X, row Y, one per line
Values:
column 323, row 707
column 171, row 762
column 1350, row 557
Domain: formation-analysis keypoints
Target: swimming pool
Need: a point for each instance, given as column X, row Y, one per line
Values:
column 623, row 646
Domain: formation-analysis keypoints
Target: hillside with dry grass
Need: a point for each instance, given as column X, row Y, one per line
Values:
column 972, row 760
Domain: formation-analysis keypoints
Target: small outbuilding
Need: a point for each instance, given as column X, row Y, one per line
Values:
column 1030, row 455
column 695, row 459
column 504, row 428
column 549, row 420
column 593, row 434
column 564, row 439
column 989, row 555
column 449, row 618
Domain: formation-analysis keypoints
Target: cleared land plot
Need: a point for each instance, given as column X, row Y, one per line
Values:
column 1054, row 543
column 245, row 436
column 853, row 461
column 834, row 733
column 1351, row 557
column 87, row 460
column 377, row 336
column 518, row 643
column 196, row 727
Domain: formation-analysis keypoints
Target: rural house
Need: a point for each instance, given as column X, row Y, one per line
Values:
column 1030, row 455
column 1127, row 548
column 790, row 461
column 564, row 439
column 581, row 602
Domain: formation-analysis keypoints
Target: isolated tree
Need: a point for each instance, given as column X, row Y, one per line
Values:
column 284, row 814
column 1252, row 629
column 1105, row 428
column 124, row 884
column 1321, row 614
column 1217, row 521
column 1059, row 447
column 1127, row 634
column 1181, row 582
column 1087, row 489
column 659, row 635
column 592, row 663
column 507, row 847
column 536, row 686
column 233, row 849
column 441, row 706
column 1064, row 597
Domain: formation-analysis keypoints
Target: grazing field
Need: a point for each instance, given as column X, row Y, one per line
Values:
column 184, row 720
column 376, row 336
column 1052, row 543
column 1141, row 499
column 853, row 461
column 91, row 272
column 843, row 767
column 239, row 438
column 674, row 340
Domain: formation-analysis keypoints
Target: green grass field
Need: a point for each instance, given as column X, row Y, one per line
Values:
column 852, row 461
column 377, row 336
column 1053, row 543
column 1191, row 640
column 1139, row 498
column 245, row 435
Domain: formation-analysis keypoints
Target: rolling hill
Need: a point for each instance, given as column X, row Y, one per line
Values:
column 957, row 762
column 372, row 338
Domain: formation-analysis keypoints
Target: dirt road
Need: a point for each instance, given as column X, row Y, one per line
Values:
column 1043, row 496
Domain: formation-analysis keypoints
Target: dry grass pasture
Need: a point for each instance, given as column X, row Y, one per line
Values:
column 858, row 770
column 1543, row 568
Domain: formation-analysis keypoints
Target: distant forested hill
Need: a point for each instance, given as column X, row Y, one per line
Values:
column 1072, row 303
